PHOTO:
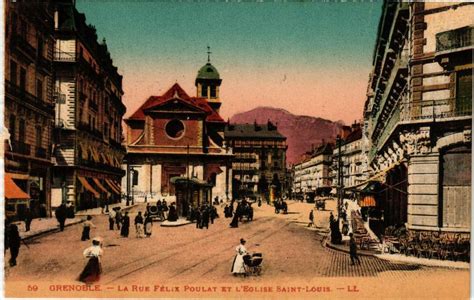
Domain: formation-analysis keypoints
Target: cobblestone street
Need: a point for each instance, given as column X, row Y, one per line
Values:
column 292, row 254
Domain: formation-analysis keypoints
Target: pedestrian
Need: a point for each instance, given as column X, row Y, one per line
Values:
column 353, row 249
column 86, row 229
column 235, row 221
column 61, row 216
column 311, row 219
column 331, row 218
column 148, row 225
column 28, row 218
column 102, row 205
column 173, row 214
column 93, row 268
column 238, row 263
column 14, row 241
column 213, row 214
column 125, row 225
column 198, row 218
column 139, row 225
column 112, row 215
column 118, row 218
column 205, row 217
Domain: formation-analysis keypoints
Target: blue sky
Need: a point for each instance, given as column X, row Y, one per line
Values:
column 254, row 46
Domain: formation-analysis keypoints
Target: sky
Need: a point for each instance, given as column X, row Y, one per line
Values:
column 310, row 58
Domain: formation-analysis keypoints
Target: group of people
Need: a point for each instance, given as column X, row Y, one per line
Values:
column 203, row 215
column 143, row 225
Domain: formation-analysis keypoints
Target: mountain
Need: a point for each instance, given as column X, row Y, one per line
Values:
column 301, row 131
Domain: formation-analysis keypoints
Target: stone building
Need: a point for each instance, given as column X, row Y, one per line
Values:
column 175, row 135
column 260, row 158
column 29, row 105
column 89, row 111
column 312, row 173
column 418, row 115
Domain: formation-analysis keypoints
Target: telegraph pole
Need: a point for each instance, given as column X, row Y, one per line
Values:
column 339, row 178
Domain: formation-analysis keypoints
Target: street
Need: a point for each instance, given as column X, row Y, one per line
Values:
column 189, row 256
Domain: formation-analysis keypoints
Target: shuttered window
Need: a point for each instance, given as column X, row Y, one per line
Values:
column 456, row 186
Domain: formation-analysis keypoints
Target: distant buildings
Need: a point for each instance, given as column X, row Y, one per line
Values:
column 260, row 159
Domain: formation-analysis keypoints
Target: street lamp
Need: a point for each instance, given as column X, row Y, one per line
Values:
column 339, row 177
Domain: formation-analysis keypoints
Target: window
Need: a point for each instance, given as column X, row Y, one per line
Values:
column 12, row 127
column 39, row 89
column 39, row 136
column 464, row 92
column 23, row 29
column 13, row 73
column 40, row 46
column 14, row 23
column 213, row 91
column 21, row 131
column 204, row 91
column 175, row 129
column 22, row 78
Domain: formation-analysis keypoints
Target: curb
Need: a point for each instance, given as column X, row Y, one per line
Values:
column 50, row 230
column 341, row 249
column 169, row 224
column 83, row 213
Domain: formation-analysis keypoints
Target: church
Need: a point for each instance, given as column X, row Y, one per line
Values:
column 176, row 138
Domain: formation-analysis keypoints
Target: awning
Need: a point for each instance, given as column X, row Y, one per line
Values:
column 367, row 201
column 372, row 187
column 88, row 187
column 13, row 191
column 114, row 188
column 101, row 187
column 94, row 153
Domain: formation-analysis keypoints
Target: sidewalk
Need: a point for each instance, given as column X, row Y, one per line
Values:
column 42, row 226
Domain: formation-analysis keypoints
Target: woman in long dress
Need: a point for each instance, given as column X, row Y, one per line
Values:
column 238, row 264
column 125, row 225
column 93, row 268
column 148, row 224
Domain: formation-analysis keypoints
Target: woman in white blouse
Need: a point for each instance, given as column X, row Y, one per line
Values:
column 238, row 264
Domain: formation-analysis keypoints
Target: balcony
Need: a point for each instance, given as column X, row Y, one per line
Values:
column 62, row 56
column 100, row 166
column 21, row 45
column 23, row 95
column 436, row 110
column 20, row 147
column 44, row 64
column 454, row 40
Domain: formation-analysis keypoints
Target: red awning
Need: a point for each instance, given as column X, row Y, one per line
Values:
column 88, row 187
column 101, row 187
column 367, row 201
column 112, row 185
column 12, row 191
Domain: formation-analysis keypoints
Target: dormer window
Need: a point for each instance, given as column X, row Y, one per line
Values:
column 204, row 91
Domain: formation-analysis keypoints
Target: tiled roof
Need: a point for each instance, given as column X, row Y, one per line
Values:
column 354, row 136
column 176, row 92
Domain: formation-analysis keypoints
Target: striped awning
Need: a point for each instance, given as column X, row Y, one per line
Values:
column 101, row 187
column 88, row 187
column 367, row 201
column 13, row 191
column 114, row 188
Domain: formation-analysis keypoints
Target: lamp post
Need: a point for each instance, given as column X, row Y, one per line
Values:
column 340, row 183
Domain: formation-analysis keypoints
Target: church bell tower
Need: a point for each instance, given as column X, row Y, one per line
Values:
column 208, row 82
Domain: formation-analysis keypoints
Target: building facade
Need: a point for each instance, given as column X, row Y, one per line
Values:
column 29, row 105
column 312, row 173
column 175, row 135
column 260, row 158
column 88, row 114
column 418, row 115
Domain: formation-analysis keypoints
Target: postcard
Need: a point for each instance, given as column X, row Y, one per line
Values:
column 237, row 149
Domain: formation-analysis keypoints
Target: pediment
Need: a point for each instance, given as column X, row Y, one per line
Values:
column 176, row 106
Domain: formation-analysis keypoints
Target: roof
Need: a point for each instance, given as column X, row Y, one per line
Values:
column 12, row 191
column 177, row 93
column 264, row 131
column 208, row 71
column 325, row 148
column 354, row 135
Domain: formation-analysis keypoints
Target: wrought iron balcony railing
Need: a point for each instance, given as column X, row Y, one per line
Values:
column 64, row 56
column 436, row 109
column 454, row 39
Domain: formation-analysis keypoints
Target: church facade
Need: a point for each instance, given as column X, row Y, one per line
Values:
column 178, row 136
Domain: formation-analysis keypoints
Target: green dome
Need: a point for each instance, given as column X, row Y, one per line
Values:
column 208, row 71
